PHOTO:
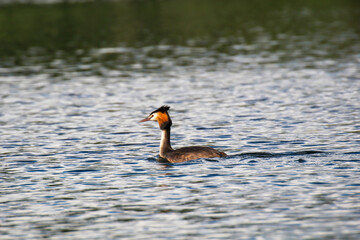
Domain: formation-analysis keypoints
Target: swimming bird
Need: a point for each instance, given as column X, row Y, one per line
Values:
column 183, row 154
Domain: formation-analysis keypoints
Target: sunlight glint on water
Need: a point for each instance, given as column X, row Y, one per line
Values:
column 76, row 164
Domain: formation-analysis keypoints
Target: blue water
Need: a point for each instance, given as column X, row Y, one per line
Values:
column 76, row 164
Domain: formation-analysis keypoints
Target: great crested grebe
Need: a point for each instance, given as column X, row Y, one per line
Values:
column 162, row 116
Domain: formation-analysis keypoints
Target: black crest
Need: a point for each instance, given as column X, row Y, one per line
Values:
column 162, row 109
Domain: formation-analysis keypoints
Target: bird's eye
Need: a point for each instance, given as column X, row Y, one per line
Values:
column 152, row 116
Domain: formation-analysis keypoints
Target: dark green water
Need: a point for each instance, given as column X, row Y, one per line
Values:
column 36, row 33
column 274, row 84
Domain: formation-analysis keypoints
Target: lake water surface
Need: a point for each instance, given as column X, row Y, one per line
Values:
column 275, row 86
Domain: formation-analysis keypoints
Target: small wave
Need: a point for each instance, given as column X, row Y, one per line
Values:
column 26, row 161
column 275, row 155
column 77, row 171
column 351, row 153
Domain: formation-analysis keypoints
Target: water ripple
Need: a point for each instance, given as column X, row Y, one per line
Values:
column 75, row 162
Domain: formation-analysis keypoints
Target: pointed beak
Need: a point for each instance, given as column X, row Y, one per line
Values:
column 145, row 119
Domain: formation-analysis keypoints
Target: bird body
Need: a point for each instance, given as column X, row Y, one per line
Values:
column 183, row 154
column 191, row 153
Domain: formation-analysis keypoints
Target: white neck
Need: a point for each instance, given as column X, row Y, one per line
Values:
column 165, row 145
